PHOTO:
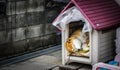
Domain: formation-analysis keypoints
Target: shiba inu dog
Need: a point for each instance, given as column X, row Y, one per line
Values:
column 77, row 43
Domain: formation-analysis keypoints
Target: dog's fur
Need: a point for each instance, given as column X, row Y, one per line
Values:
column 75, row 35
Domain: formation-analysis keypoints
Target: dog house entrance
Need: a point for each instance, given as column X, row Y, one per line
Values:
column 77, row 43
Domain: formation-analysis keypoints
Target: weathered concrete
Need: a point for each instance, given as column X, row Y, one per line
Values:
column 27, row 26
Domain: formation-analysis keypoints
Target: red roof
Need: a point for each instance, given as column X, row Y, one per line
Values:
column 101, row 14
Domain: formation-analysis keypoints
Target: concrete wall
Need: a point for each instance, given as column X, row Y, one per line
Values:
column 118, row 1
column 24, row 32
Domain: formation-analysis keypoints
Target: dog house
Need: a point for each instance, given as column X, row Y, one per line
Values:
column 103, row 16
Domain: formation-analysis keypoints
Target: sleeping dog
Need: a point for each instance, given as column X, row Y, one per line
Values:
column 77, row 43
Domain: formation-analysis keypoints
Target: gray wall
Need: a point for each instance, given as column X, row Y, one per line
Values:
column 118, row 1
column 27, row 27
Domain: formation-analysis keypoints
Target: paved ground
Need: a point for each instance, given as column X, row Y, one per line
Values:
column 41, row 63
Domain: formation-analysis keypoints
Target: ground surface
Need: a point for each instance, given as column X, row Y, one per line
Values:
column 41, row 63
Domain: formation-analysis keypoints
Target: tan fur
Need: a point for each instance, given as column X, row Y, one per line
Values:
column 77, row 34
